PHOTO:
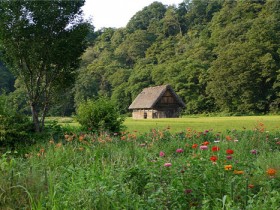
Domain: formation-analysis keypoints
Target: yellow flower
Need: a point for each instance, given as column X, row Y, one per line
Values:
column 228, row 167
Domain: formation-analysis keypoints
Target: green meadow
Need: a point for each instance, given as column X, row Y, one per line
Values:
column 217, row 124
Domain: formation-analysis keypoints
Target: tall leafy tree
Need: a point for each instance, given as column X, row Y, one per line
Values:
column 171, row 24
column 142, row 19
column 42, row 42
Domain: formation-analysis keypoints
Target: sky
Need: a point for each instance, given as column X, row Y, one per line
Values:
column 117, row 13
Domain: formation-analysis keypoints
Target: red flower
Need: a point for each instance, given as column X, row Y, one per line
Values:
column 194, row 146
column 215, row 149
column 229, row 151
column 205, row 143
column 213, row 158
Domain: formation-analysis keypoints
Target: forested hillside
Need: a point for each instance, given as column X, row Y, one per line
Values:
column 219, row 56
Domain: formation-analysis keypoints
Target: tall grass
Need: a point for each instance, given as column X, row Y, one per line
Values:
column 154, row 170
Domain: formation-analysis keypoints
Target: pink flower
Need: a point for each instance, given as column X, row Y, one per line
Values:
column 161, row 154
column 203, row 147
column 179, row 150
column 254, row 152
column 167, row 164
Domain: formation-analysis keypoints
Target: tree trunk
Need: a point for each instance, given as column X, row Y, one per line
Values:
column 44, row 116
column 35, row 117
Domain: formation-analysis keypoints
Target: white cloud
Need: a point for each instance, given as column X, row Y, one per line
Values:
column 113, row 13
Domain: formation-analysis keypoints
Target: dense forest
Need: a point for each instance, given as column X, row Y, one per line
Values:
column 218, row 55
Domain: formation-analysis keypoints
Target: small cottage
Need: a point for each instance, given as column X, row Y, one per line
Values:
column 157, row 102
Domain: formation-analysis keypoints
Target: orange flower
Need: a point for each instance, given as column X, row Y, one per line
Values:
column 205, row 143
column 81, row 137
column 228, row 167
column 58, row 145
column 229, row 151
column 194, row 146
column 238, row 172
column 70, row 138
column 271, row 171
column 228, row 138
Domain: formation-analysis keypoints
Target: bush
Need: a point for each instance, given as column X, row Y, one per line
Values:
column 15, row 128
column 100, row 116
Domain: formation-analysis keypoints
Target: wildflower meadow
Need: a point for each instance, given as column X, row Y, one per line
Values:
column 153, row 170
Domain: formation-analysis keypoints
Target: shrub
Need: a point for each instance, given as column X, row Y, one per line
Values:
column 14, row 127
column 100, row 116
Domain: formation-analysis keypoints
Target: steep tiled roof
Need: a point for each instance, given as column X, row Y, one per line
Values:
column 150, row 96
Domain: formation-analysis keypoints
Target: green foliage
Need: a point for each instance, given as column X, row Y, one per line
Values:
column 246, row 60
column 100, row 115
column 142, row 19
column 219, row 56
column 41, row 42
column 15, row 128
column 6, row 79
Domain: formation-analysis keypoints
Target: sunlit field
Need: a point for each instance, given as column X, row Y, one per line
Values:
column 217, row 124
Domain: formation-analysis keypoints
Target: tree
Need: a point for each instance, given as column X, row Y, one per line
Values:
column 42, row 42
column 171, row 24
column 6, row 79
column 135, row 45
column 142, row 19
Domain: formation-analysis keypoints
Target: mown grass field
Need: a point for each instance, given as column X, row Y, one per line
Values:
column 217, row 124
